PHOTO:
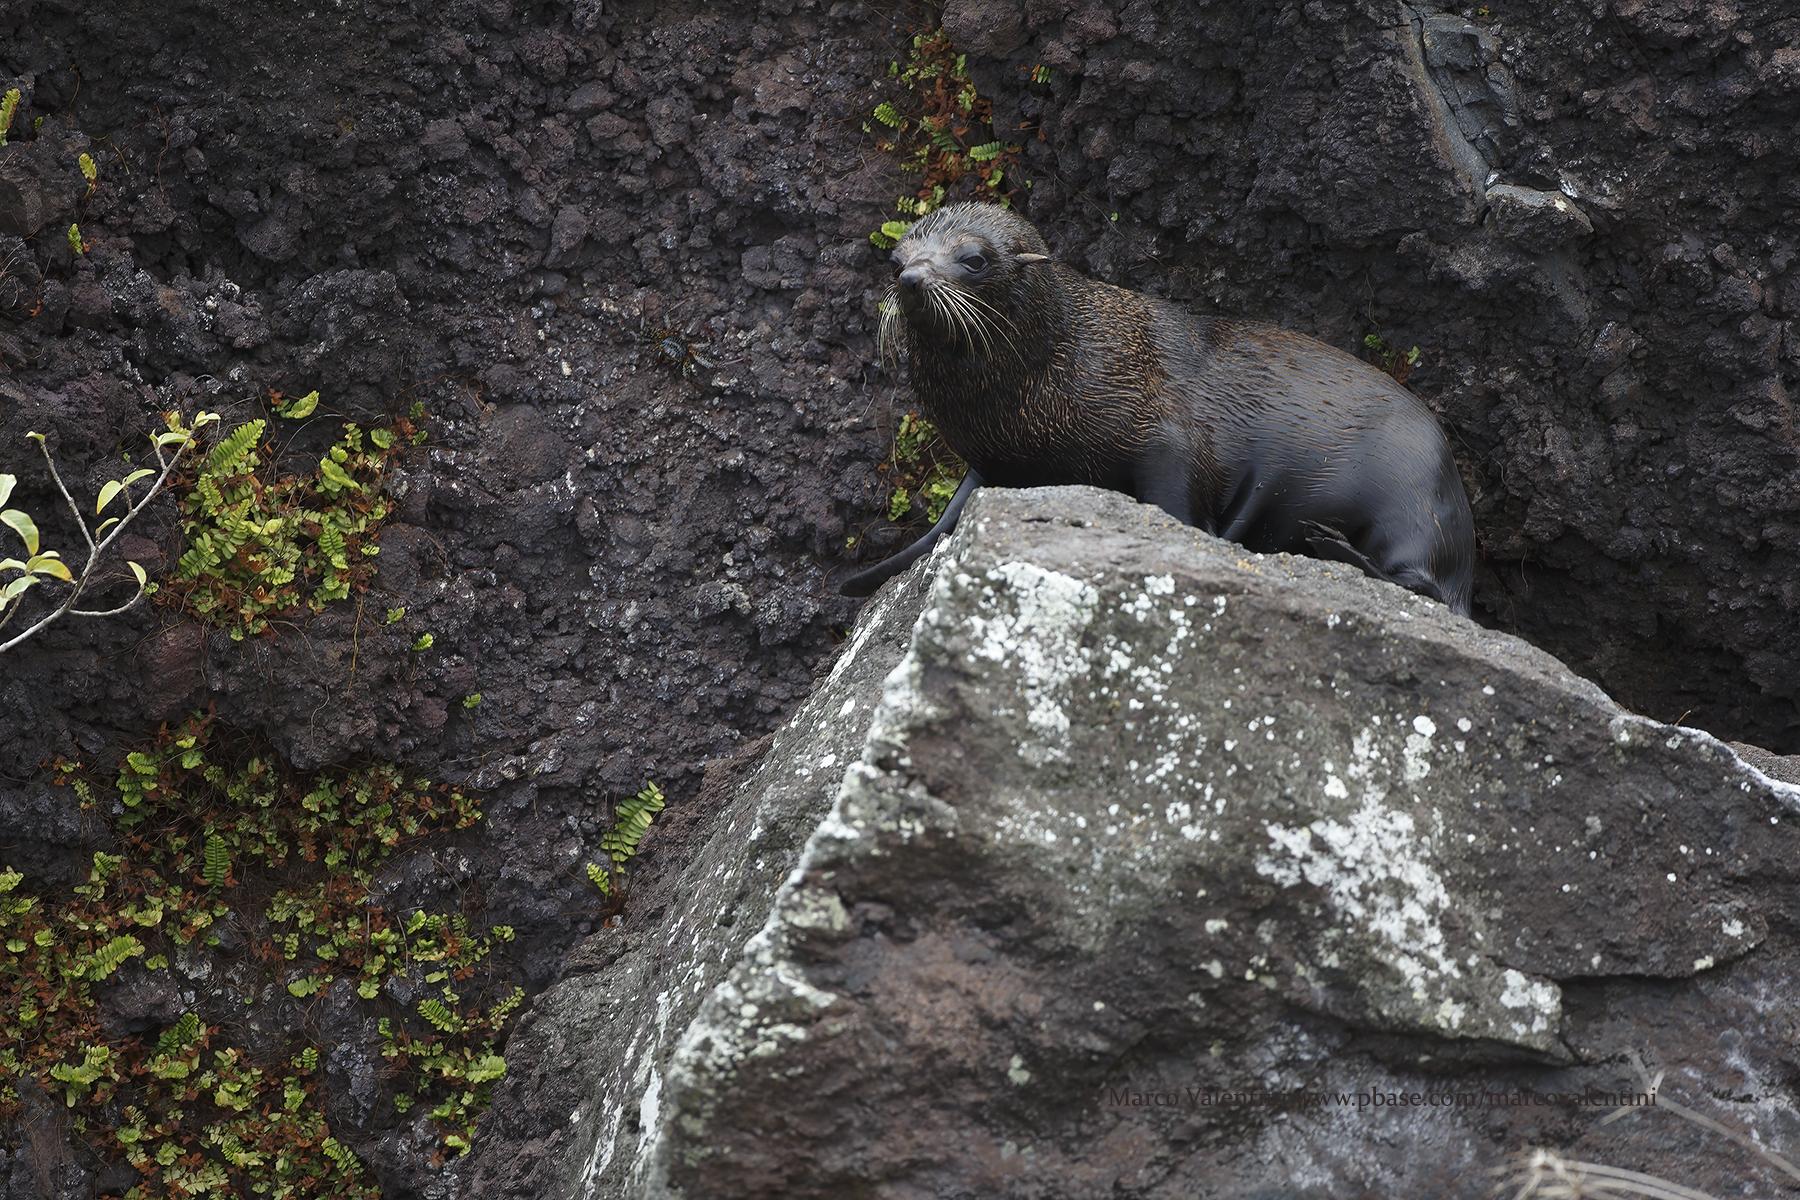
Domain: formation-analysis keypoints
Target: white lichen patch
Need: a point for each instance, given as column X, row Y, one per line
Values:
column 1374, row 868
column 1032, row 623
column 809, row 910
column 1416, row 755
column 648, row 1109
column 903, row 706
column 1540, row 1001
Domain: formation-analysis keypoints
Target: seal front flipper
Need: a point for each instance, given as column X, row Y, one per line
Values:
column 865, row 582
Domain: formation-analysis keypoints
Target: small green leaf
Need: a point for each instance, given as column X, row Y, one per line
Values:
column 335, row 474
column 17, row 587
column 107, row 493
column 300, row 406
column 6, row 486
column 142, row 578
column 424, row 642
column 50, row 563
column 23, row 525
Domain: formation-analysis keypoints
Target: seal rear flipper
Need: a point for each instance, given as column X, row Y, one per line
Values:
column 864, row 583
column 1322, row 541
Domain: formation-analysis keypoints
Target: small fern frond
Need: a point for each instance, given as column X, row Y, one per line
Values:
column 631, row 819
column 218, row 860
column 112, row 956
column 233, row 455
column 440, row 1016
column 178, row 1035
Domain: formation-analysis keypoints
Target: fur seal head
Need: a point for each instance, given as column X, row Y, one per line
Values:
column 947, row 265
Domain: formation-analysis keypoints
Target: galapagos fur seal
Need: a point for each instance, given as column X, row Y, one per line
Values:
column 1037, row 376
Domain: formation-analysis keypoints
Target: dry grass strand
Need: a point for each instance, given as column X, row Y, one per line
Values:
column 1545, row 1175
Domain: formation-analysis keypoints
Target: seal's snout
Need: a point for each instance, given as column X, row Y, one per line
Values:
column 911, row 285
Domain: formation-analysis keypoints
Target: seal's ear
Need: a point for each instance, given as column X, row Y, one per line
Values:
column 1031, row 258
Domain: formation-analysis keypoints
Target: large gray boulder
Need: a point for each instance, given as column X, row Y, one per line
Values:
column 1103, row 834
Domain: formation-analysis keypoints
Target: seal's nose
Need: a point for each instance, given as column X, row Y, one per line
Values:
column 914, row 276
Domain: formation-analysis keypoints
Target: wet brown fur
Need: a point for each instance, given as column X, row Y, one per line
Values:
column 1037, row 376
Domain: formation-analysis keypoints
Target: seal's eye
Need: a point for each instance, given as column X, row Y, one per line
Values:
column 973, row 262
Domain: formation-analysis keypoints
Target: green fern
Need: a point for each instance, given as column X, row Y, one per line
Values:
column 887, row 114
column 218, row 861
column 988, row 151
column 259, row 548
column 631, row 818
column 12, row 908
column 179, row 1035
column 233, row 455
column 97, row 1063
column 112, row 956
column 331, row 545
column 440, row 1016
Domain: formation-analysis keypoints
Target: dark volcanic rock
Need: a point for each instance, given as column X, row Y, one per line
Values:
column 1138, row 818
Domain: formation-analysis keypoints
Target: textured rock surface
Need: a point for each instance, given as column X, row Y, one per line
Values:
column 1137, row 812
column 629, row 993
